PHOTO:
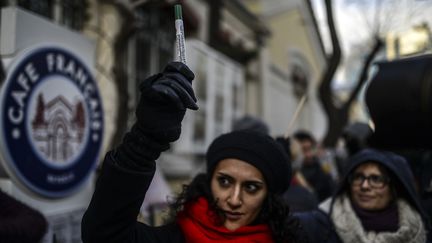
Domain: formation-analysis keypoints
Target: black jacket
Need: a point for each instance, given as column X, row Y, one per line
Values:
column 112, row 214
column 318, row 224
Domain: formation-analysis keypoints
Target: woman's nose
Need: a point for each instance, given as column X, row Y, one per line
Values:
column 365, row 183
column 235, row 198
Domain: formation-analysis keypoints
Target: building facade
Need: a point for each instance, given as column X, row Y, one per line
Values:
column 295, row 60
column 249, row 57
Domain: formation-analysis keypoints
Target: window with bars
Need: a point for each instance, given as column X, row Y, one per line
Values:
column 219, row 85
column 69, row 13
column 73, row 14
column 41, row 7
column 149, row 49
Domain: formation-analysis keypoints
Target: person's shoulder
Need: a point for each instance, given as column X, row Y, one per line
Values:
column 317, row 226
column 314, row 217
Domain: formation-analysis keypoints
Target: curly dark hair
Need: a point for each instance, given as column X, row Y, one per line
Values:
column 275, row 212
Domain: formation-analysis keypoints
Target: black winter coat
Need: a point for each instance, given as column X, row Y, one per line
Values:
column 116, row 221
column 319, row 226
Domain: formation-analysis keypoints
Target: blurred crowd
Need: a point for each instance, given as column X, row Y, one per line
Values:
column 323, row 180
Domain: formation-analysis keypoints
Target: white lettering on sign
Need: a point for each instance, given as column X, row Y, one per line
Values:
column 15, row 113
column 58, row 63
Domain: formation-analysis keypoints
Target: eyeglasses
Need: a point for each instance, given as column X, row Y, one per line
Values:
column 375, row 181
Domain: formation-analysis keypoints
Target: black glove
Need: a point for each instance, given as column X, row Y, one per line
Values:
column 164, row 99
column 162, row 106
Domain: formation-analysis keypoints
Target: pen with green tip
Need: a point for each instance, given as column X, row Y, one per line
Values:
column 180, row 38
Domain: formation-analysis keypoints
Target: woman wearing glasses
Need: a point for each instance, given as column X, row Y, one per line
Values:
column 376, row 202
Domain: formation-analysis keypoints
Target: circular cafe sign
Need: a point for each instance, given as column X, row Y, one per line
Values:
column 51, row 121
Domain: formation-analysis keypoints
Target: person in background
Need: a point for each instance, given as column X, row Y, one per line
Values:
column 376, row 202
column 236, row 200
column 20, row 223
column 249, row 122
column 300, row 195
column 420, row 161
column 311, row 168
column 354, row 138
column 401, row 115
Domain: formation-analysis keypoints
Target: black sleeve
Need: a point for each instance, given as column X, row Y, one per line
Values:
column 112, row 213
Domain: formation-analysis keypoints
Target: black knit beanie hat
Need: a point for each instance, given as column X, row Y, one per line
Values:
column 257, row 149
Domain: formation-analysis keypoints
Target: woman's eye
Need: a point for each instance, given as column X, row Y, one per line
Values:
column 377, row 179
column 358, row 177
column 251, row 188
column 223, row 181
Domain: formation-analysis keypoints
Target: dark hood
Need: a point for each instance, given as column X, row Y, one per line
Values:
column 396, row 165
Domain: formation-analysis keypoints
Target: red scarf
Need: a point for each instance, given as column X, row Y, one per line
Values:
column 198, row 224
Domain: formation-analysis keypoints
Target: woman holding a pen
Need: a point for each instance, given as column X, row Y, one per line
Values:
column 236, row 200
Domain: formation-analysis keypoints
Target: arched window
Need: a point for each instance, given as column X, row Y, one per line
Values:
column 300, row 71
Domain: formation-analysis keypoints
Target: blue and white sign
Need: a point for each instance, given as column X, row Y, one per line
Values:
column 51, row 121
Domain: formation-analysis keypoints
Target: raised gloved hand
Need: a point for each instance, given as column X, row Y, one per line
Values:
column 163, row 103
column 162, row 106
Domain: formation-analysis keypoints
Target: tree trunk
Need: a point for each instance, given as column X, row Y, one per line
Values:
column 325, row 93
column 338, row 116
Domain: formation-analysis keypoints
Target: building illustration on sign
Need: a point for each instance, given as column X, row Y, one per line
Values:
column 58, row 128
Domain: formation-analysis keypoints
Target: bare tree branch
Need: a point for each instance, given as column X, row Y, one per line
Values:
column 364, row 73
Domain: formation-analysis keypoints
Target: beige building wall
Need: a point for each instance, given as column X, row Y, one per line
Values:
column 289, row 31
column 414, row 41
column 294, row 41
column 103, row 27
